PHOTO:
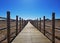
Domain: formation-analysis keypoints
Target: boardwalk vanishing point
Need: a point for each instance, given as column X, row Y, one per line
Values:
column 30, row 35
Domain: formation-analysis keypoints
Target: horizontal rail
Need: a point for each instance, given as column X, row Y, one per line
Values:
column 6, row 28
column 12, row 26
column 51, row 34
column 58, row 28
column 12, row 20
column 13, row 39
column 6, row 37
column 3, row 39
column 48, row 37
column 48, row 32
column 47, row 26
column 12, row 33
column 3, row 18
column 43, row 25
column 6, row 18
column 57, row 37
column 3, row 28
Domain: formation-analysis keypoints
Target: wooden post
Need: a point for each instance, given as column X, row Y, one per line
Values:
column 24, row 23
column 34, row 24
column 20, row 24
column 40, row 24
column 8, row 26
column 53, row 27
column 44, row 24
column 16, row 25
column 37, row 23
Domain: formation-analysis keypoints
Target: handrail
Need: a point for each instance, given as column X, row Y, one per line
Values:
column 3, row 18
column 3, row 39
column 3, row 28
column 58, row 28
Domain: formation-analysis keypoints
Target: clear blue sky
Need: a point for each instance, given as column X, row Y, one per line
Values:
column 30, row 9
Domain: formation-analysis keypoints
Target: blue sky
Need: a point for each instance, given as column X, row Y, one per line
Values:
column 30, row 9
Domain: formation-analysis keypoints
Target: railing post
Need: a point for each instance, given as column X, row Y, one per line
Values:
column 24, row 23
column 37, row 23
column 8, row 26
column 16, row 25
column 53, row 27
column 40, row 24
column 44, row 24
column 20, row 24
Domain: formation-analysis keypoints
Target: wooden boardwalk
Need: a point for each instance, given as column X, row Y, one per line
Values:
column 31, row 35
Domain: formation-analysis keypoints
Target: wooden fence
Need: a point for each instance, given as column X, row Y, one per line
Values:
column 50, row 32
column 11, row 31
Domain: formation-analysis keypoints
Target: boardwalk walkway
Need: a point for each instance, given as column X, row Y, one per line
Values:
column 30, row 35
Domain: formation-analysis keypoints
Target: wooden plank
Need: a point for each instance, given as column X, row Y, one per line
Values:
column 30, row 34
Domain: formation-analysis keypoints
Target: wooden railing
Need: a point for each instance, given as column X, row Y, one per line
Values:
column 41, row 25
column 12, row 29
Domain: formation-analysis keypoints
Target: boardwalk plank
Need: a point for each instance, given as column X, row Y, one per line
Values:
column 31, row 35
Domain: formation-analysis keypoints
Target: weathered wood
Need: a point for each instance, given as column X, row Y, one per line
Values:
column 37, row 23
column 16, row 25
column 20, row 24
column 44, row 24
column 40, row 24
column 53, row 27
column 8, row 26
column 37, row 36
